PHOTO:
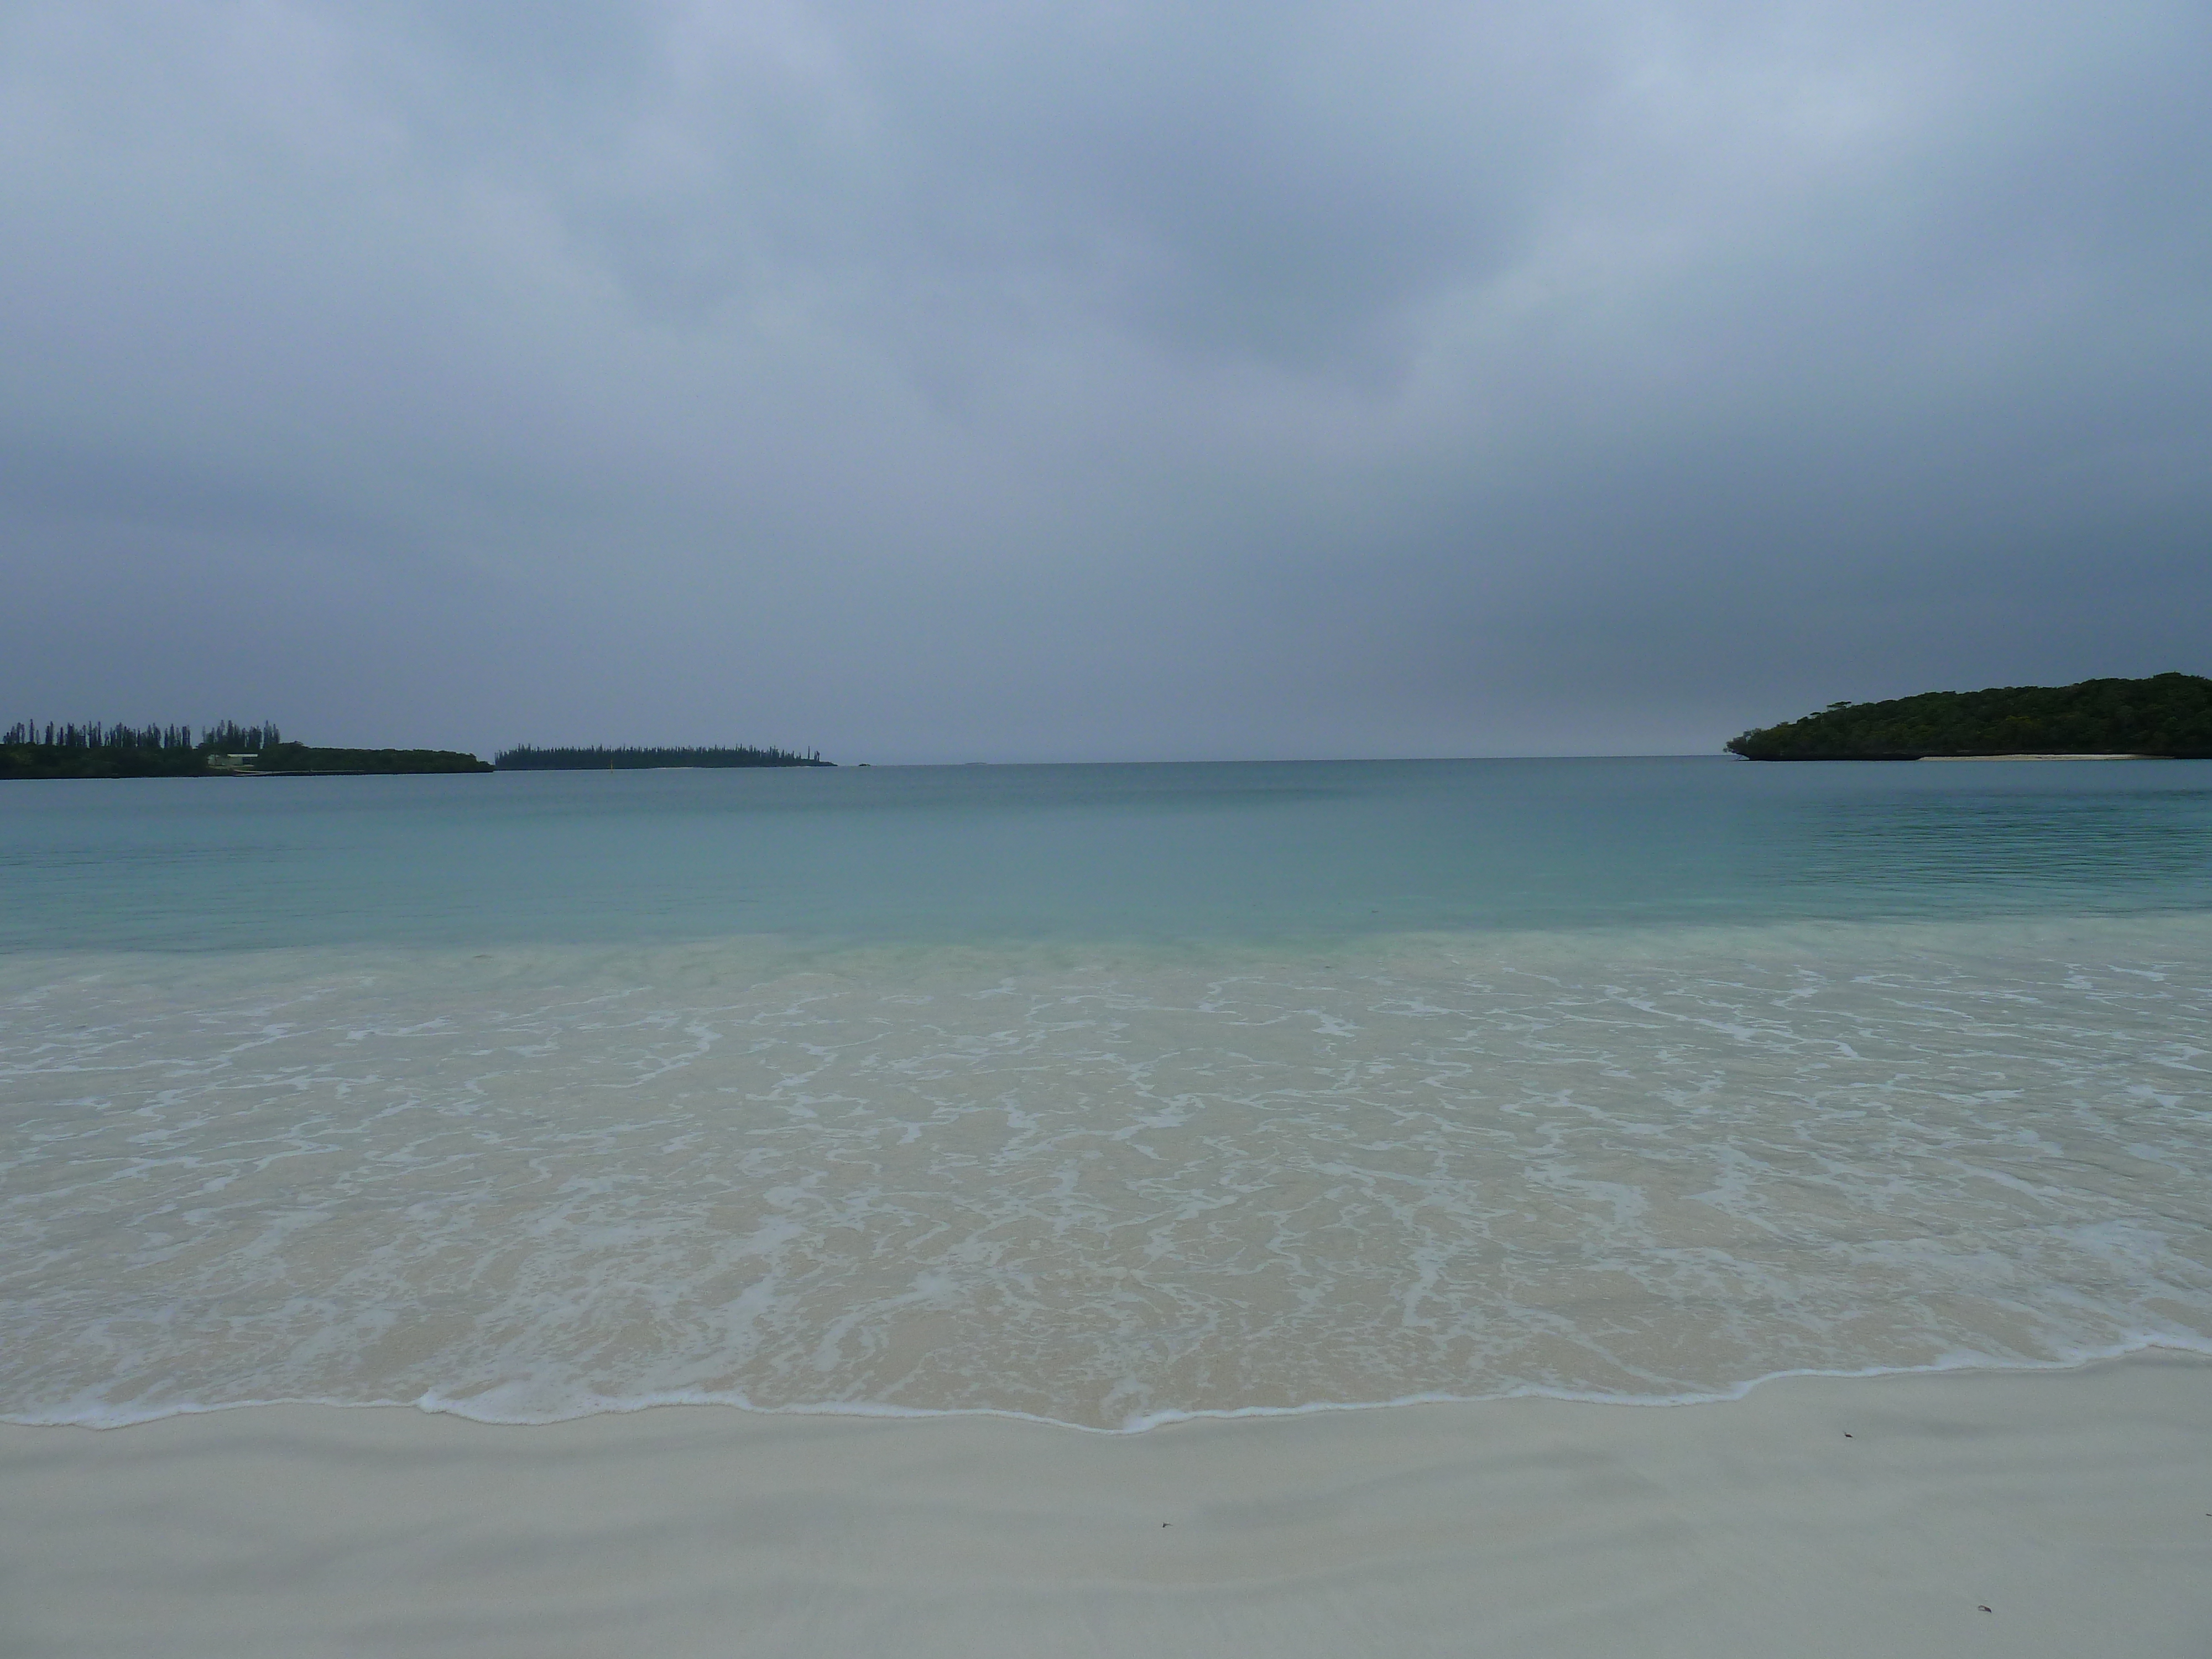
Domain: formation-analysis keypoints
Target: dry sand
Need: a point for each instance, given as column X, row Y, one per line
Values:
column 1954, row 1514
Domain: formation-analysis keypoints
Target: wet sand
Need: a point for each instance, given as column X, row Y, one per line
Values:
column 1960, row 1513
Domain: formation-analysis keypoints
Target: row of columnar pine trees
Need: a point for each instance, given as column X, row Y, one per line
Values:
column 526, row 757
column 96, row 751
column 225, row 737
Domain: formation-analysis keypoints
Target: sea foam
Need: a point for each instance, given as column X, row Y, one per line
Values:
column 1105, row 1187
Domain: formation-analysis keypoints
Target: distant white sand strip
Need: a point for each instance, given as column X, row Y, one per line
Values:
column 2006, row 757
column 1953, row 1514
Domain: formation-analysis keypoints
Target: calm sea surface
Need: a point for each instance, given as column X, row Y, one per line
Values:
column 1104, row 1094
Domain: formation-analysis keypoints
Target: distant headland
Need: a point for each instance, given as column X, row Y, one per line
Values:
column 595, row 758
column 224, row 750
column 229, row 749
column 2167, row 716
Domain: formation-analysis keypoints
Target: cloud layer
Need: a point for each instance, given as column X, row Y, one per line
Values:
column 1138, row 379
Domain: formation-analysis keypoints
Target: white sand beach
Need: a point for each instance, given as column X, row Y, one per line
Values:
column 1956, row 1513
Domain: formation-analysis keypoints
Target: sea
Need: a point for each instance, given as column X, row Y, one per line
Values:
column 1105, row 1095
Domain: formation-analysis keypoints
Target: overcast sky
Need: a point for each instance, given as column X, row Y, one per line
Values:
column 959, row 379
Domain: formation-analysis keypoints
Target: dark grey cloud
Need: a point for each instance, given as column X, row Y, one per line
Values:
column 986, row 379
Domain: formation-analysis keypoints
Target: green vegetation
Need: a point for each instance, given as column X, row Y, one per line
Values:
column 2167, row 714
column 299, row 758
column 94, row 750
column 99, row 751
column 228, row 749
column 525, row 758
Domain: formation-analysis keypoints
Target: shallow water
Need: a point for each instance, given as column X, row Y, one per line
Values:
column 1105, row 1095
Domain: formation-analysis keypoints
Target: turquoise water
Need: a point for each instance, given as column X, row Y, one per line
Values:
column 1254, row 852
column 1105, row 1095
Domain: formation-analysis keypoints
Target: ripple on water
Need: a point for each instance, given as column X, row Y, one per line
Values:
column 530, row 1183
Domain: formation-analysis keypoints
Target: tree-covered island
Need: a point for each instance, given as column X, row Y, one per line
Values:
column 227, row 749
column 2165, row 715
column 595, row 758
